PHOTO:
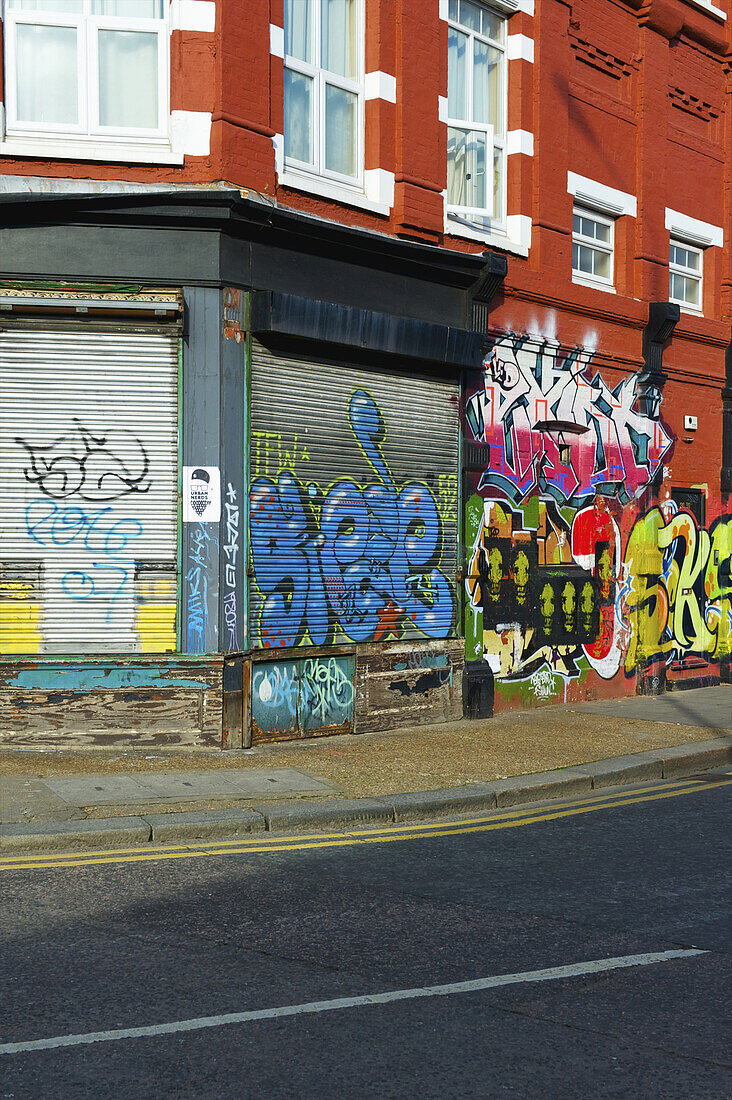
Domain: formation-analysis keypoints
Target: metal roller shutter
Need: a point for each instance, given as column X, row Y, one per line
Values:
column 89, row 490
column 353, row 504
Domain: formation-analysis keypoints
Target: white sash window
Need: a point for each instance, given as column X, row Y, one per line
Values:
column 87, row 70
column 476, row 108
column 324, row 89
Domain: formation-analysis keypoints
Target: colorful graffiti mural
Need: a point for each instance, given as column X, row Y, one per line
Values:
column 531, row 601
column 349, row 561
column 569, row 570
column 607, row 444
column 677, row 596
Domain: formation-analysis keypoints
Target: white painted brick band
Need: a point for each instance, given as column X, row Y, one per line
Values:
column 276, row 40
column 520, row 48
column 378, row 85
column 379, row 186
column 191, row 132
column 193, row 15
column 519, row 141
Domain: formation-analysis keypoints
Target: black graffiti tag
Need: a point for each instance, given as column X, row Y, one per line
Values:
column 96, row 468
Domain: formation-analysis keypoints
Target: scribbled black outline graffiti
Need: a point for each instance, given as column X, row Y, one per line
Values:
column 73, row 466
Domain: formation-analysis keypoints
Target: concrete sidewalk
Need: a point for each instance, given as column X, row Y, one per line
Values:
column 53, row 800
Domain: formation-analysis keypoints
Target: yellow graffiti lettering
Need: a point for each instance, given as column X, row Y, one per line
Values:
column 646, row 602
column 686, row 619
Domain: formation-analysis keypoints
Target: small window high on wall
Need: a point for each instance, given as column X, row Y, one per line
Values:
column 86, row 70
column 593, row 238
column 686, row 268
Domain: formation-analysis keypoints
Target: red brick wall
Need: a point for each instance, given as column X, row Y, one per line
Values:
column 638, row 100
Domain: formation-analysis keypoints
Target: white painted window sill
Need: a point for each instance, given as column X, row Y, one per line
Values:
column 686, row 308
column 492, row 237
column 328, row 189
column 593, row 284
column 118, row 151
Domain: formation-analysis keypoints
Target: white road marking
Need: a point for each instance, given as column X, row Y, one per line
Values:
column 574, row 970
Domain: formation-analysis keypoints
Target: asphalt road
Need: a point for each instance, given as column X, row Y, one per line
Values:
column 114, row 946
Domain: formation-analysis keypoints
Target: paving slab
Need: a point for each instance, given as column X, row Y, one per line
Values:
column 333, row 814
column 98, row 790
column 544, row 785
column 279, row 781
column 207, row 823
column 95, row 790
column 107, row 833
column 24, row 798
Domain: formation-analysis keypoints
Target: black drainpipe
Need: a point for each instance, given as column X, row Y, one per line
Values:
column 726, row 485
column 662, row 320
column 478, row 684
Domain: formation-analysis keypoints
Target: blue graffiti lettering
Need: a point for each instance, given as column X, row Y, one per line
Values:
column 362, row 561
column 50, row 525
column 197, row 577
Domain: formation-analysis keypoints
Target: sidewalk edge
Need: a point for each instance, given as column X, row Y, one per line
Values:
column 676, row 762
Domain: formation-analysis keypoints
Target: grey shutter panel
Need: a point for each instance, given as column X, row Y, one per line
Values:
column 89, row 488
column 353, row 504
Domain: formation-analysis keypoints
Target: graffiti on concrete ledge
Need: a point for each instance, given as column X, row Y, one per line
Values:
column 349, row 561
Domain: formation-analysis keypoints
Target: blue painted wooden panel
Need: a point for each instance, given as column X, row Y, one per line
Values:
column 294, row 698
column 326, row 692
column 275, row 692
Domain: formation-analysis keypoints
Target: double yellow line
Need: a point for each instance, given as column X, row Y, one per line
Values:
column 509, row 819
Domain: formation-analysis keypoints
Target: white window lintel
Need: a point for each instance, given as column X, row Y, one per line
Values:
column 598, row 196
column 702, row 234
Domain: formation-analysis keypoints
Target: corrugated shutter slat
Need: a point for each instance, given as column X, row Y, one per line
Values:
column 89, row 492
column 353, row 504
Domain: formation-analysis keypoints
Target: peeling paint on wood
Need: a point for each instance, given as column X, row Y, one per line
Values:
column 406, row 684
column 173, row 704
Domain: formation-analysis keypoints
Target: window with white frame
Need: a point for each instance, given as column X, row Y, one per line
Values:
column 86, row 69
column 592, row 248
column 324, row 95
column 476, row 110
column 686, row 267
